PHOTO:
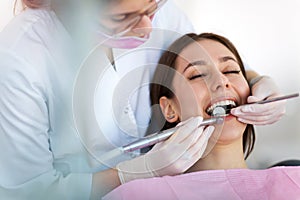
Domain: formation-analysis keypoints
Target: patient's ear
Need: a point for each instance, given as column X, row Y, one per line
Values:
column 168, row 109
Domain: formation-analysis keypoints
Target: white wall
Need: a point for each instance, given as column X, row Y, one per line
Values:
column 267, row 33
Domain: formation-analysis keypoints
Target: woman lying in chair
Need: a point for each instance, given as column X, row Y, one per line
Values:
column 197, row 74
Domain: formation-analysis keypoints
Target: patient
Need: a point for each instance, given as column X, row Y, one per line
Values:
column 195, row 75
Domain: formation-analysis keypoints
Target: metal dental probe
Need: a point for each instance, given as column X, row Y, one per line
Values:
column 277, row 98
column 270, row 100
column 163, row 135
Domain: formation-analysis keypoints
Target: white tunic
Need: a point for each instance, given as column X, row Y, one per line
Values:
column 59, row 112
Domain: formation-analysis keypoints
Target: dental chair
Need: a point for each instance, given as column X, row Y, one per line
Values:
column 291, row 162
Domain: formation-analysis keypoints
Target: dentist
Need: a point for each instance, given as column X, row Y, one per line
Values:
column 49, row 148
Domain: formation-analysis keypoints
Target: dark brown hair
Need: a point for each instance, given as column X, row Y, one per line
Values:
column 163, row 77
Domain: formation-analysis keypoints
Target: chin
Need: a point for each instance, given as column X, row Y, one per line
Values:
column 229, row 131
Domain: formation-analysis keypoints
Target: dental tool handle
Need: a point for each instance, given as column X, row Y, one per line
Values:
column 163, row 135
column 285, row 97
column 277, row 99
column 149, row 140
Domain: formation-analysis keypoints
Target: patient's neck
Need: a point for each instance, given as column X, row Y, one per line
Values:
column 222, row 156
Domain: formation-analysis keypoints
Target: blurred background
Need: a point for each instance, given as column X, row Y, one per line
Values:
column 267, row 34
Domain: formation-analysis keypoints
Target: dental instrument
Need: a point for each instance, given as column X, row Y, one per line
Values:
column 277, row 98
column 218, row 114
column 218, row 118
column 227, row 110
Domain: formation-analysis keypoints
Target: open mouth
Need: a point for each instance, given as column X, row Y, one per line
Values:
column 227, row 105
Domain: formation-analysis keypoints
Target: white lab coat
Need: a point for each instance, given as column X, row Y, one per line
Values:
column 46, row 149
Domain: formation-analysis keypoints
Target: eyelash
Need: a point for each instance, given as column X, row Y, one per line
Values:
column 196, row 76
column 203, row 75
column 232, row 72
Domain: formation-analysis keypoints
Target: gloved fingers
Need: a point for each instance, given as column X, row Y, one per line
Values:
column 172, row 156
column 157, row 146
column 195, row 152
column 258, row 109
column 185, row 130
column 192, row 158
column 260, row 114
column 264, row 88
column 175, row 150
column 195, row 143
column 165, row 161
column 261, row 120
column 253, row 99
column 168, row 160
column 189, row 142
column 263, row 108
column 257, row 122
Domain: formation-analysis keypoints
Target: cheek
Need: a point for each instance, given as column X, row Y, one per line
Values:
column 189, row 100
column 243, row 89
column 203, row 96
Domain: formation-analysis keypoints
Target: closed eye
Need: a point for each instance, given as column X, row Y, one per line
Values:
column 232, row 72
column 119, row 18
column 197, row 76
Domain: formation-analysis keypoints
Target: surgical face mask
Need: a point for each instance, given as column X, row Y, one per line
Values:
column 120, row 40
column 124, row 42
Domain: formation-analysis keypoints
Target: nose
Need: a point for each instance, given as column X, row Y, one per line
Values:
column 144, row 27
column 219, row 82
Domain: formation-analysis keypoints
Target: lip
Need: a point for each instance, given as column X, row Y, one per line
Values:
column 229, row 117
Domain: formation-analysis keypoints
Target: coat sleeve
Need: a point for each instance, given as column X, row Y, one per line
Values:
column 26, row 159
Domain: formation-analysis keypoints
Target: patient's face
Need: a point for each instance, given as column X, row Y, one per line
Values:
column 214, row 77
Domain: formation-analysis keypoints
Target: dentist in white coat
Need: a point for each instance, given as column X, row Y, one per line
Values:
column 73, row 85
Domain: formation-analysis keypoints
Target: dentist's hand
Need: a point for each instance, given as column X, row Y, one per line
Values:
column 170, row 157
column 261, row 114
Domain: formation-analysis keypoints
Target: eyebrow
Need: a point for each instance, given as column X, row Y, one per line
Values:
column 226, row 58
column 198, row 62
column 202, row 62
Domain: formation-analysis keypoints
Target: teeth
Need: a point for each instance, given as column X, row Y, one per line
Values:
column 220, row 103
